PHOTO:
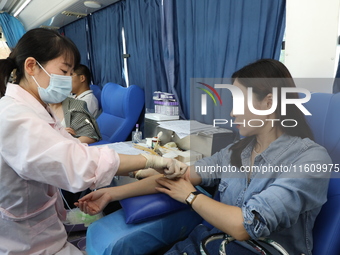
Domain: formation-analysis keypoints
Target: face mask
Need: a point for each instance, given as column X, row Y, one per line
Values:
column 58, row 90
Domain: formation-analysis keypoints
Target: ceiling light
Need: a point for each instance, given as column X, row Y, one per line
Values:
column 92, row 4
column 21, row 8
column 74, row 14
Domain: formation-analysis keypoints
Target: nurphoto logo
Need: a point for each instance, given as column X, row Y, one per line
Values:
column 239, row 103
column 204, row 97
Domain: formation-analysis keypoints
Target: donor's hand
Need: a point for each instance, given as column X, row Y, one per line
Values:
column 171, row 168
column 94, row 202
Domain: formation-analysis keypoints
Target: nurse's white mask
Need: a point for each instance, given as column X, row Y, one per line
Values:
column 58, row 90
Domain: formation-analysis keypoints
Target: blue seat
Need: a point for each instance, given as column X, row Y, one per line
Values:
column 325, row 124
column 121, row 108
column 111, row 235
column 97, row 91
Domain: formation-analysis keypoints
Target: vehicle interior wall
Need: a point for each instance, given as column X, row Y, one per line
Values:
column 311, row 43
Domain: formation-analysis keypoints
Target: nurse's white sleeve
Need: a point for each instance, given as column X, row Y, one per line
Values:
column 37, row 150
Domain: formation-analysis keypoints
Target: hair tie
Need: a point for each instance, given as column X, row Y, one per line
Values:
column 12, row 62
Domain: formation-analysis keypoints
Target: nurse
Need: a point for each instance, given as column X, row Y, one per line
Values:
column 37, row 155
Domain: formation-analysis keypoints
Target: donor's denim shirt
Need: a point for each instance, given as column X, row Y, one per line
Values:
column 282, row 194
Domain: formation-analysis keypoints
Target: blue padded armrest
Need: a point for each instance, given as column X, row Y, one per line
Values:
column 111, row 235
column 149, row 207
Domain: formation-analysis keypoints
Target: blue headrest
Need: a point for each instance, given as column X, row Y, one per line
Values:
column 121, row 108
column 118, row 100
column 97, row 91
column 324, row 122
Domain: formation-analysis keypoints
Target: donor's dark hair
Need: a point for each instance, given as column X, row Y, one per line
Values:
column 264, row 75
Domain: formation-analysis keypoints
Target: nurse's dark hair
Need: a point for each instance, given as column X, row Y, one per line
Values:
column 264, row 75
column 43, row 45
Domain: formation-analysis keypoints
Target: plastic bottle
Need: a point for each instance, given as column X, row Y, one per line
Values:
column 174, row 110
column 137, row 135
column 158, row 106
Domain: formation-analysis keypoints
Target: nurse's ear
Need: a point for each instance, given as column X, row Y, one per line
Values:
column 30, row 66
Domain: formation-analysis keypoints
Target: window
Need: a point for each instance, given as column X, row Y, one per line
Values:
column 4, row 49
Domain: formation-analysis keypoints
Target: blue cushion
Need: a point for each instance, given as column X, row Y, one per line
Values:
column 144, row 208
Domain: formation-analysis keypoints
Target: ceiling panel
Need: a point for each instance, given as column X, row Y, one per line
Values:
column 60, row 20
column 7, row 5
column 48, row 12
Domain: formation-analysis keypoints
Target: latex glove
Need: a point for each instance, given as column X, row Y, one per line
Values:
column 143, row 173
column 171, row 168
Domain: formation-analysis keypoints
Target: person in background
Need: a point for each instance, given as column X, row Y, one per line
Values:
column 81, row 80
column 279, row 205
column 38, row 156
column 77, row 120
